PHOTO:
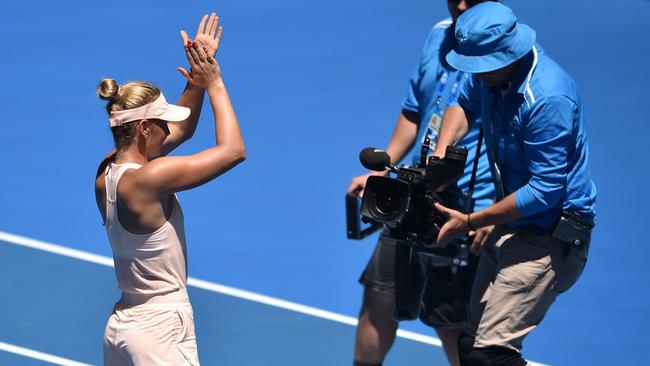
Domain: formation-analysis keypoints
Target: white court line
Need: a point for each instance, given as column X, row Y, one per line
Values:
column 215, row 287
column 39, row 355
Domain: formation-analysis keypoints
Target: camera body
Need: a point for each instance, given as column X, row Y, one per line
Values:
column 405, row 204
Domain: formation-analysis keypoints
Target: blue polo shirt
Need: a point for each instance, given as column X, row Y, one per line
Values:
column 536, row 138
column 433, row 85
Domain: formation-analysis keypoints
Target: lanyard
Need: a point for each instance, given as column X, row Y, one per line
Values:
column 437, row 111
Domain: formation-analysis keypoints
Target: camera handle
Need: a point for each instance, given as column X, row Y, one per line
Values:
column 424, row 151
column 354, row 220
column 454, row 262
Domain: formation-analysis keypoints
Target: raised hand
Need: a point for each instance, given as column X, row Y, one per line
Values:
column 205, row 71
column 208, row 35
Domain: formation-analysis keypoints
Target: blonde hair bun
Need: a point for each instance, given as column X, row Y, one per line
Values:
column 108, row 89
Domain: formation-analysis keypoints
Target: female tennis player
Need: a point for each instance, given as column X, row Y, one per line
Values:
column 152, row 323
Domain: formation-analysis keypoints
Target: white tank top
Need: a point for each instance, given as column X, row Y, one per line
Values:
column 145, row 264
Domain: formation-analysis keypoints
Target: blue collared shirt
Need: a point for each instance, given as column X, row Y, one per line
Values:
column 536, row 139
column 433, row 85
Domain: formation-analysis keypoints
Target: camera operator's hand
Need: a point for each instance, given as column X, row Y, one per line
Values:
column 455, row 226
column 479, row 237
column 359, row 183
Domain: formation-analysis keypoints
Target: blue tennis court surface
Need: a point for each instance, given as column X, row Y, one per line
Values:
column 63, row 313
column 313, row 82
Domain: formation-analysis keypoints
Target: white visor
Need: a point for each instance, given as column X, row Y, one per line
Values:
column 158, row 109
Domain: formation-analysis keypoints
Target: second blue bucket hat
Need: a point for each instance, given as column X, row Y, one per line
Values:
column 488, row 38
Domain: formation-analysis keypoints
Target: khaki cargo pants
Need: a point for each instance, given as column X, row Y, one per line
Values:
column 520, row 274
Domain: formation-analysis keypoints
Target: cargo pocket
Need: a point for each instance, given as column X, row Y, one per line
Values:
column 572, row 268
column 186, row 342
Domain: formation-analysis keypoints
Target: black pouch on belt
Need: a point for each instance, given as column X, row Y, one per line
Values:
column 575, row 231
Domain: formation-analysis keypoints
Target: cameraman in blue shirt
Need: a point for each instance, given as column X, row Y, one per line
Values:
column 533, row 120
column 432, row 87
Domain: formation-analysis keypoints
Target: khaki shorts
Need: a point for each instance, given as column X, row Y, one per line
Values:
column 515, row 285
column 151, row 334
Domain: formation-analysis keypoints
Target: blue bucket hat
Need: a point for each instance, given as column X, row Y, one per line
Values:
column 488, row 38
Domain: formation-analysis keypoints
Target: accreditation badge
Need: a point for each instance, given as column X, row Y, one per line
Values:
column 431, row 136
column 434, row 124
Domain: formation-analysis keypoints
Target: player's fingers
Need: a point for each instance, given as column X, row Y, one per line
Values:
column 201, row 28
column 214, row 20
column 200, row 52
column 184, row 37
column 193, row 57
column 185, row 73
column 218, row 38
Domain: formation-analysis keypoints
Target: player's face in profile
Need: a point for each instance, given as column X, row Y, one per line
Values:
column 158, row 133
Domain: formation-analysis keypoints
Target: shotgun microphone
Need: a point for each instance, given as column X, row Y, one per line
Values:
column 376, row 159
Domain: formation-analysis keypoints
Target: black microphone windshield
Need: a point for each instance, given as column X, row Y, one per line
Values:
column 374, row 159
